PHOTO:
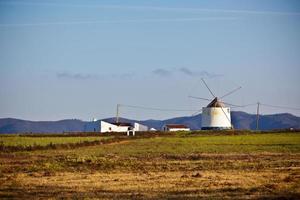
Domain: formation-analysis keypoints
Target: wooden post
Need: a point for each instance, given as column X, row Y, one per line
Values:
column 257, row 116
column 117, row 115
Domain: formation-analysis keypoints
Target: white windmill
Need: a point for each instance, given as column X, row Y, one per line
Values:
column 216, row 115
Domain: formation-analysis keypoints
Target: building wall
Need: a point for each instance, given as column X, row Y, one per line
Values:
column 140, row 127
column 175, row 129
column 179, row 129
column 108, row 127
column 215, row 118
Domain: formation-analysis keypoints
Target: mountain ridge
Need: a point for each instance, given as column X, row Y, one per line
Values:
column 240, row 120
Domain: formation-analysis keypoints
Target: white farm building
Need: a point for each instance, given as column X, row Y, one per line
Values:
column 140, row 127
column 121, row 127
column 175, row 127
column 114, row 127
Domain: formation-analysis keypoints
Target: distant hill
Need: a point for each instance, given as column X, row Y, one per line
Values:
column 10, row 125
column 240, row 120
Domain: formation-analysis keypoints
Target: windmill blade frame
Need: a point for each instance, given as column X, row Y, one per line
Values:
column 230, row 104
column 208, row 88
column 231, row 92
column 229, row 120
column 196, row 113
column 193, row 97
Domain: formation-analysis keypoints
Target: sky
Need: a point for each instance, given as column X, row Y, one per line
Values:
column 79, row 59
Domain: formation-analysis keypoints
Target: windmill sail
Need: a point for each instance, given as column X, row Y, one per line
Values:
column 216, row 115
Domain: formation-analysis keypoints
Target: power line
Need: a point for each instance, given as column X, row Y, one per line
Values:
column 250, row 104
column 281, row 107
column 271, row 106
column 230, row 104
column 158, row 109
column 193, row 97
column 189, row 110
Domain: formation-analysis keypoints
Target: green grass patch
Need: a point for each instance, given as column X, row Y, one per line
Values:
column 252, row 143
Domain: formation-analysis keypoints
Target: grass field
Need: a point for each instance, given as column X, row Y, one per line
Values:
column 179, row 166
column 16, row 140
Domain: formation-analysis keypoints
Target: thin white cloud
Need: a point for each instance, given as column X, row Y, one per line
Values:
column 157, row 8
column 185, row 71
column 121, row 21
column 84, row 76
column 162, row 72
column 202, row 73
column 256, row 12
column 77, row 76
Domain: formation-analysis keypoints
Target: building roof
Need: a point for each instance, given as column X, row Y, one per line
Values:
column 121, row 124
column 176, row 126
column 216, row 103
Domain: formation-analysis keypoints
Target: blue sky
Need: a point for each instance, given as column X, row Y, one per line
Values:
column 78, row 59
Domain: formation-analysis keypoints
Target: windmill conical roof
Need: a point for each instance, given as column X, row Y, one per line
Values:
column 215, row 103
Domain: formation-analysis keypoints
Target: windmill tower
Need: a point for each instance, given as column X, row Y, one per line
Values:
column 216, row 115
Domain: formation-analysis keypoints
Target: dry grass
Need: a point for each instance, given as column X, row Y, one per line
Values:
column 131, row 170
column 224, row 184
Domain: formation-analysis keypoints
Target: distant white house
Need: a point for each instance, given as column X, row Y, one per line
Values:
column 140, row 127
column 175, row 127
column 122, row 127
column 114, row 127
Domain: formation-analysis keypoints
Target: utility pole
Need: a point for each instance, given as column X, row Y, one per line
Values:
column 117, row 115
column 257, row 116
